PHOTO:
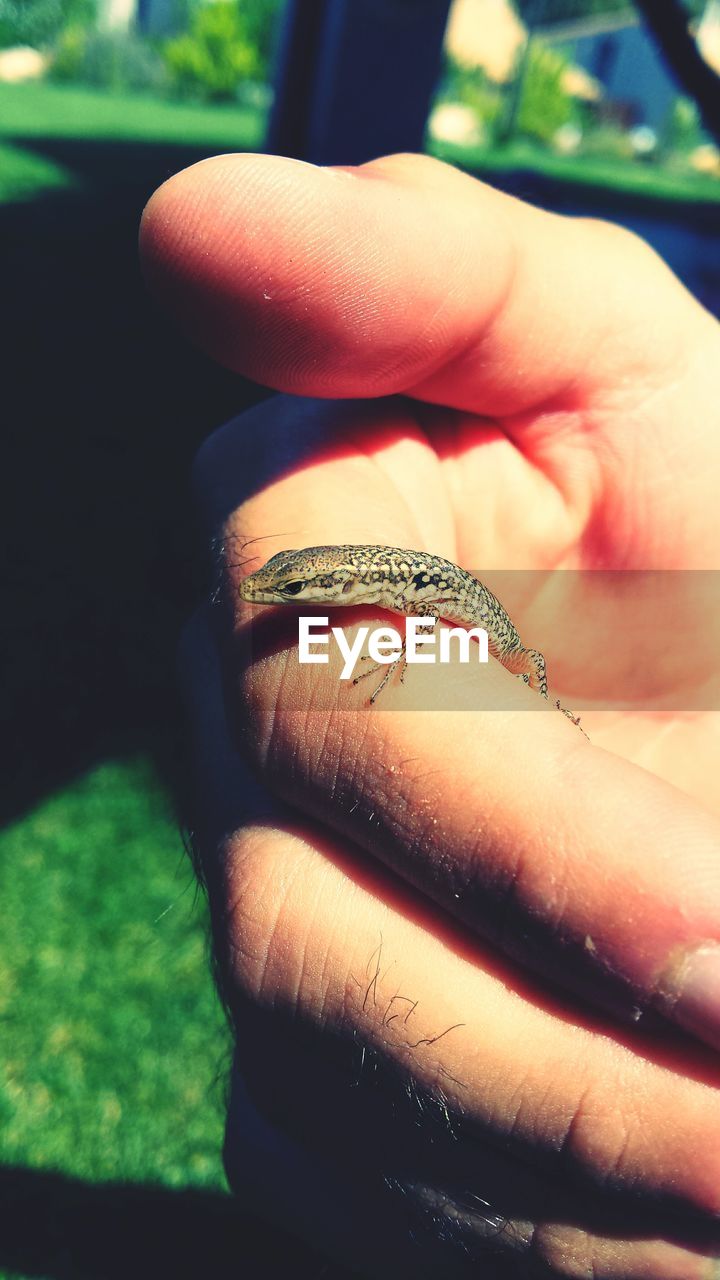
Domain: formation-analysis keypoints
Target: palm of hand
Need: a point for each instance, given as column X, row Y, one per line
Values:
column 611, row 491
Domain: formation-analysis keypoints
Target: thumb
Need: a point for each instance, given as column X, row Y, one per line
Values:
column 405, row 276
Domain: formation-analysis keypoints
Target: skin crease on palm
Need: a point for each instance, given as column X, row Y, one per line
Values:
column 536, row 393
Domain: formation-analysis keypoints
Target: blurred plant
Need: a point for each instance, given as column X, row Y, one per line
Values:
column 607, row 141
column 684, row 130
column 568, row 139
column 471, row 87
column 261, row 21
column 644, row 142
column 38, row 22
column 544, row 105
column 217, row 53
column 68, row 54
column 109, row 60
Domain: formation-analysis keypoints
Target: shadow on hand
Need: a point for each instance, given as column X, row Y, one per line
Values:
column 65, row 1229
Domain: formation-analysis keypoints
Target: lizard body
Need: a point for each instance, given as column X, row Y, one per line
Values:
column 404, row 581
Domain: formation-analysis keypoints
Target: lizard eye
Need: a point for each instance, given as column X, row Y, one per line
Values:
column 292, row 588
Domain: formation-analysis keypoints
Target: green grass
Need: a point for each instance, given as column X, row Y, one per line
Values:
column 23, row 174
column 60, row 111
column 36, row 119
column 113, row 1052
column 626, row 177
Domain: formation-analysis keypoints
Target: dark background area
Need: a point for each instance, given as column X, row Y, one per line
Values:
column 105, row 407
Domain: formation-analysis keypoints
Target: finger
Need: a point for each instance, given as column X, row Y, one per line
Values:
column 455, row 1198
column 583, row 866
column 347, row 954
column 406, row 276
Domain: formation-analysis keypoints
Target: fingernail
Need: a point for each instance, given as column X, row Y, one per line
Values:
column 692, row 994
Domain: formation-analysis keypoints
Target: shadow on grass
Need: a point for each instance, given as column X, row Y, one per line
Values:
column 139, row 167
column 65, row 1229
column 104, row 407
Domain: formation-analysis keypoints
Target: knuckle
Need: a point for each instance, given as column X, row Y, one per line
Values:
column 259, row 932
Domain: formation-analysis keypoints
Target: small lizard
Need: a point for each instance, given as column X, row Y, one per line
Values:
column 406, row 582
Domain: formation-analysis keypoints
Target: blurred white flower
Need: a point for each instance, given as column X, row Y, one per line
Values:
column 453, row 122
column 643, row 140
column 567, row 138
column 21, row 63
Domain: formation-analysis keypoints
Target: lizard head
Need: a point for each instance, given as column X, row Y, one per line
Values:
column 313, row 576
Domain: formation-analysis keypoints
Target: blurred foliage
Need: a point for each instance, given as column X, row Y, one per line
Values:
column 220, row 47
column 544, row 105
column 543, row 99
column 607, row 142
column 114, row 60
column 536, row 105
column 471, row 87
column 69, row 54
column 217, row 53
column 261, row 20
column 39, row 22
column 684, row 131
column 258, row 17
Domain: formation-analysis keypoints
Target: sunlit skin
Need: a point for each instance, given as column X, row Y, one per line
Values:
column 530, row 392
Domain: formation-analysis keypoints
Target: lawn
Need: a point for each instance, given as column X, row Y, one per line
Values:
column 115, row 1051
column 60, row 111
column 48, row 131
column 114, row 1046
column 112, row 1030
column 24, row 174
column 611, row 175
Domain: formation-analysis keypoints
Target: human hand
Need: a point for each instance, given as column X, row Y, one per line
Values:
column 542, row 430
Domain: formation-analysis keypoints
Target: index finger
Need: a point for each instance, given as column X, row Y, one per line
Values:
column 405, row 275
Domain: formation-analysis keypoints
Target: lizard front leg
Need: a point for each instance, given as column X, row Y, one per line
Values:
column 400, row 661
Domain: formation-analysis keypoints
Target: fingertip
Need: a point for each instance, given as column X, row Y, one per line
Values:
column 202, row 185
column 236, row 248
column 178, row 223
column 322, row 281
